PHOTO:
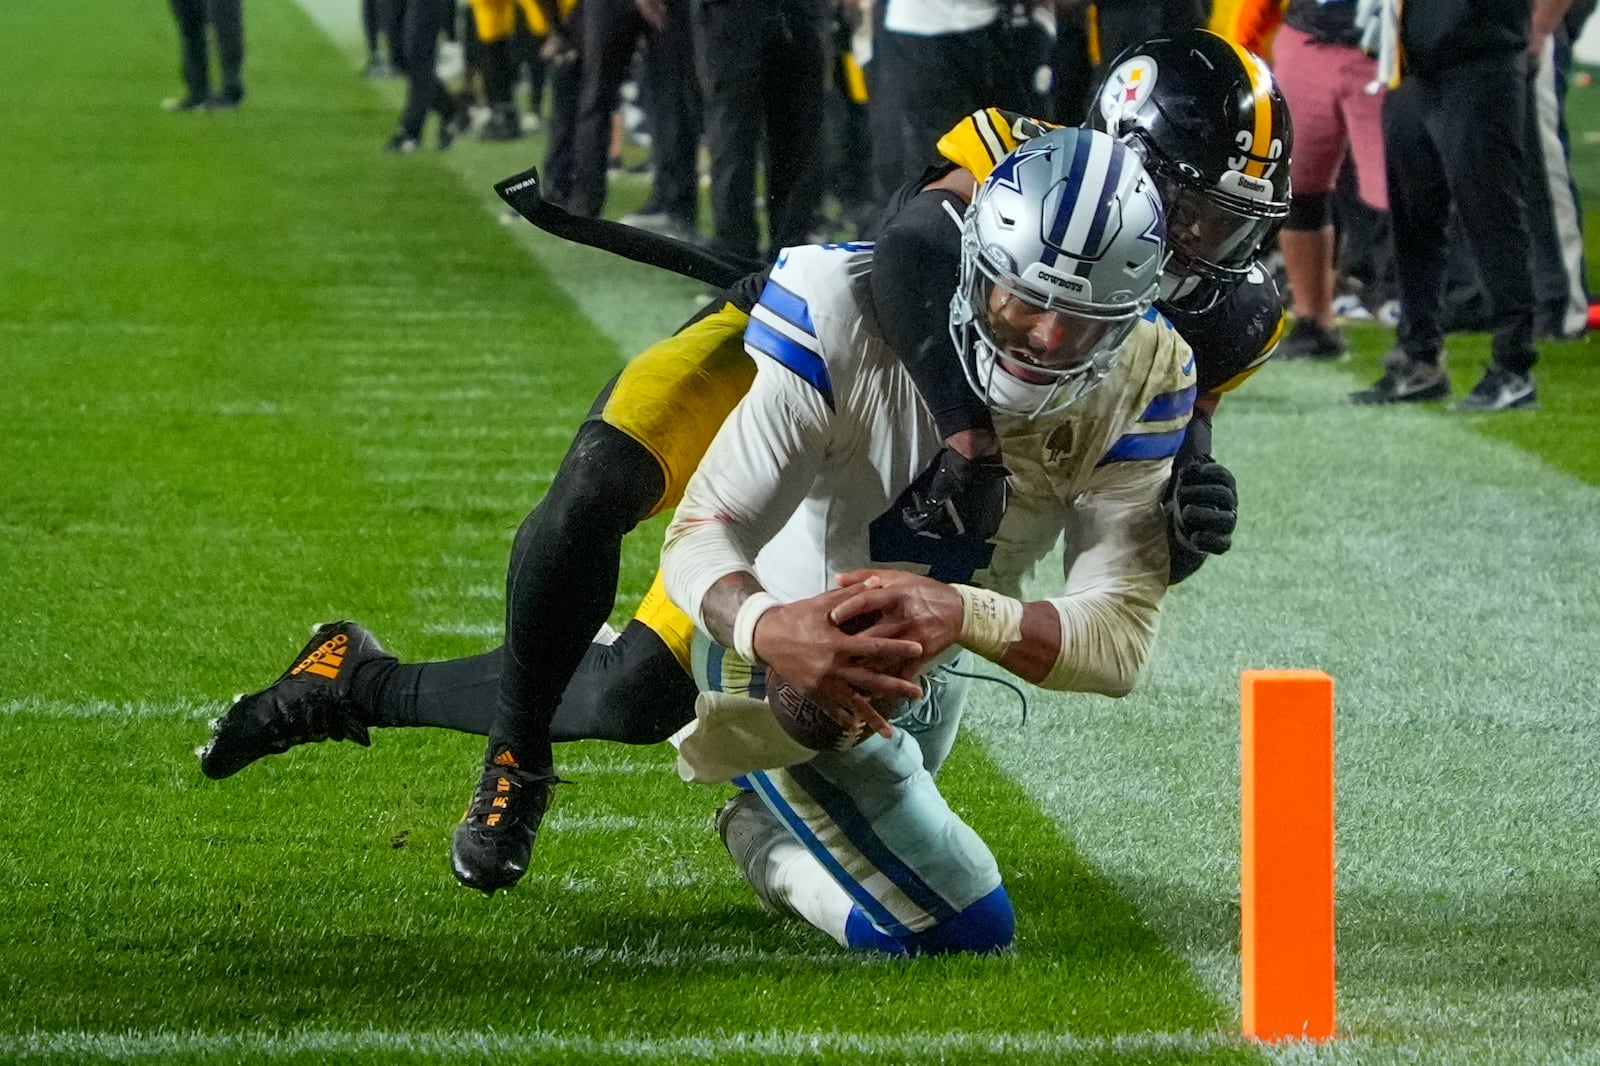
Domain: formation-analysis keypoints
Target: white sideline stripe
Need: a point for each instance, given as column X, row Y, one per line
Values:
column 773, row 1044
column 45, row 708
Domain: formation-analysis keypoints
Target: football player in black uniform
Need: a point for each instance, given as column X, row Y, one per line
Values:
column 1214, row 132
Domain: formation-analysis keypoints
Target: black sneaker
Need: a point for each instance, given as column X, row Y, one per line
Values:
column 229, row 99
column 491, row 846
column 402, row 143
column 453, row 127
column 1307, row 340
column 310, row 701
column 1406, row 380
column 503, row 125
column 1499, row 390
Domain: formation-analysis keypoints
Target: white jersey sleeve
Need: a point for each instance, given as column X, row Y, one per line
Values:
column 1116, row 563
column 766, row 459
column 1095, row 476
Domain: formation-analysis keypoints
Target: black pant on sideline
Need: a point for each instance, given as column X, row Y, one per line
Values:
column 923, row 86
column 1121, row 24
column 1455, row 138
column 763, row 64
column 611, row 33
column 424, row 91
column 566, row 82
column 227, row 21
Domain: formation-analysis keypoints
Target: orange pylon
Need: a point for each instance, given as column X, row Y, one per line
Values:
column 1286, row 898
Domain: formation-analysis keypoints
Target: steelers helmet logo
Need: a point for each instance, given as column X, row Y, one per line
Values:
column 1126, row 89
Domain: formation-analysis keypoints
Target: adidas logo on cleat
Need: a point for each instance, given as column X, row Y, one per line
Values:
column 311, row 701
column 326, row 660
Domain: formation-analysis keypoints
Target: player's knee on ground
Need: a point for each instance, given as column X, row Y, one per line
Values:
column 984, row 927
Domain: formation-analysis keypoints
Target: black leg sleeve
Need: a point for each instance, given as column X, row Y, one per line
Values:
column 631, row 691
column 914, row 273
column 456, row 694
column 562, row 582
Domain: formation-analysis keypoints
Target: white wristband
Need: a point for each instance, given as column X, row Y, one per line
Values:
column 744, row 623
column 990, row 622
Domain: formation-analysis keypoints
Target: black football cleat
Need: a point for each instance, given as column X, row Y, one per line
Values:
column 492, row 844
column 310, row 701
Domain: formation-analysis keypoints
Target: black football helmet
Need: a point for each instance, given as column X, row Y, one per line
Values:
column 1213, row 129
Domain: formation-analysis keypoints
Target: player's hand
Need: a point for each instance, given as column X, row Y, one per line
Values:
column 903, row 606
column 801, row 643
column 966, row 498
column 1202, row 506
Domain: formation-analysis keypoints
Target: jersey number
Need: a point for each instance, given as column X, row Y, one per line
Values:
column 1244, row 139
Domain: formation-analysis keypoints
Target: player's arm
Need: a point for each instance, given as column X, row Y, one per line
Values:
column 1095, row 637
column 758, row 469
column 1202, row 497
column 916, row 262
column 1547, row 15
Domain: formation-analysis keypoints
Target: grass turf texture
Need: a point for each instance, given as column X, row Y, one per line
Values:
column 261, row 375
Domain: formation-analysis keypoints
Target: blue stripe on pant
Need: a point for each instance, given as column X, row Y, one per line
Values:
column 921, row 880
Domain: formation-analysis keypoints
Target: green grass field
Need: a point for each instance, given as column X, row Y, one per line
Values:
column 259, row 375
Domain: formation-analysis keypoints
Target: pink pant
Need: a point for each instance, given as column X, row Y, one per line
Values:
column 1336, row 103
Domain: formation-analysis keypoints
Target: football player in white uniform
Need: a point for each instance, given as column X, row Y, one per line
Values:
column 1062, row 251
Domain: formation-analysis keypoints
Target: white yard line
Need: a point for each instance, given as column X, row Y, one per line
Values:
column 175, row 710
column 754, row 1045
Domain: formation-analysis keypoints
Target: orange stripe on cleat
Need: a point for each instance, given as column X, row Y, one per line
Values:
column 323, row 670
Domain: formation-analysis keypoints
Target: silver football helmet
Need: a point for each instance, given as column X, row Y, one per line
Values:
column 1061, row 252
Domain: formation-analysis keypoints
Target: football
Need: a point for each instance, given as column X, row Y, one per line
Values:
column 807, row 721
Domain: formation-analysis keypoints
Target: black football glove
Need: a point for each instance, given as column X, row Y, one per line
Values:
column 966, row 498
column 1202, row 506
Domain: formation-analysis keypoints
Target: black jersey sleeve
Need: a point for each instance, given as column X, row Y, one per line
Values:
column 914, row 270
column 1233, row 335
